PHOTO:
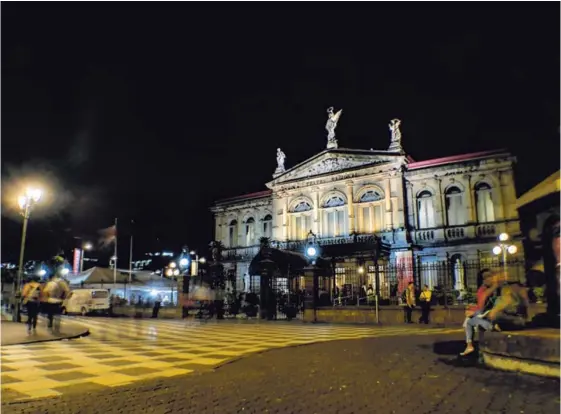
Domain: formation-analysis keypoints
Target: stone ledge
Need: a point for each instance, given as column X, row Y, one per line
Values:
column 532, row 351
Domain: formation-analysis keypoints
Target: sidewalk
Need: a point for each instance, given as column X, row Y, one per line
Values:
column 14, row 333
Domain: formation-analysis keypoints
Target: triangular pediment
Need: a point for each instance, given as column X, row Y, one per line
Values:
column 334, row 161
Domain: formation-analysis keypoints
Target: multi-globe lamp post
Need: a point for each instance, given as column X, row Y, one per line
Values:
column 504, row 249
column 173, row 272
column 26, row 203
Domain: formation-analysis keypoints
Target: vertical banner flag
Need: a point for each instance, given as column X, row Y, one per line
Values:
column 76, row 261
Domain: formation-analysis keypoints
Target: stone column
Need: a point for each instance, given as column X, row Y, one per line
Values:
column 285, row 218
column 442, row 203
column 508, row 194
column 316, row 216
column 388, row 203
column 411, row 206
column 500, row 197
column 471, row 212
column 350, row 206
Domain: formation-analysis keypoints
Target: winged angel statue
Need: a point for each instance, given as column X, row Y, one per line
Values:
column 332, row 120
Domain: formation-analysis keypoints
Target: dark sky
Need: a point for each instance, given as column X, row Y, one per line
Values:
column 151, row 111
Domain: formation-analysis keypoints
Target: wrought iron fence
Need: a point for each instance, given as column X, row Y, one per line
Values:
column 450, row 282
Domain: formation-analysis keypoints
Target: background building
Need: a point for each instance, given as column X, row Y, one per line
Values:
column 418, row 214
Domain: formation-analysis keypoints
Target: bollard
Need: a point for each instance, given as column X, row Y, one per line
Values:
column 377, row 311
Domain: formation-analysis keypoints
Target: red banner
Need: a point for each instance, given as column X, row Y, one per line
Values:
column 76, row 262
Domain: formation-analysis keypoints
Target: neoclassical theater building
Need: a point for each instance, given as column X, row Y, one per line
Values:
column 445, row 209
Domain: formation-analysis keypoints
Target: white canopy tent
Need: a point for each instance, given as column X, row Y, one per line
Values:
column 142, row 283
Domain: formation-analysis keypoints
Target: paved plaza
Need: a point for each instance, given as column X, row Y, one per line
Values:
column 369, row 370
column 124, row 351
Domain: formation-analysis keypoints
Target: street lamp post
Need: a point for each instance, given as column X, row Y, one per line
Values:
column 26, row 203
column 504, row 249
column 87, row 246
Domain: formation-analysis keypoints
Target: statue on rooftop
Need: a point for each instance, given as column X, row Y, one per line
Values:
column 332, row 120
column 395, row 143
column 280, row 160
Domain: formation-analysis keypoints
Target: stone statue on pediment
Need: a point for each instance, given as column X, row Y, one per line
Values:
column 395, row 143
column 332, row 120
column 281, row 157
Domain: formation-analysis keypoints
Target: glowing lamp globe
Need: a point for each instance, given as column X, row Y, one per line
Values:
column 503, row 237
column 512, row 249
column 184, row 262
column 311, row 251
column 497, row 250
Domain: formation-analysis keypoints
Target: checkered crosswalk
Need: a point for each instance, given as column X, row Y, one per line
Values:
column 123, row 351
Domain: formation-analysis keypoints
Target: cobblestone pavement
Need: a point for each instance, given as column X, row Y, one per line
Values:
column 399, row 375
column 124, row 351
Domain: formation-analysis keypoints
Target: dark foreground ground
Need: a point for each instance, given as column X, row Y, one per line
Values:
column 401, row 375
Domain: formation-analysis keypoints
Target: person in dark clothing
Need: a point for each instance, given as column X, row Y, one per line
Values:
column 157, row 306
column 425, row 300
column 31, row 295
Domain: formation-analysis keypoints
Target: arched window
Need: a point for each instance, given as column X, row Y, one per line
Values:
column 370, row 212
column 233, row 234
column 250, row 232
column 425, row 210
column 267, row 226
column 370, row 195
column 455, row 209
column 334, row 201
column 484, row 201
column 302, row 206
column 334, row 217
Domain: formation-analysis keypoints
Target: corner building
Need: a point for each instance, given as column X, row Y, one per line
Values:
column 423, row 213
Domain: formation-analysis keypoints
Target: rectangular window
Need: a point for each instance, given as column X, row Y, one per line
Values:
column 298, row 228
column 425, row 210
column 231, row 237
column 378, row 219
column 455, row 210
column 340, row 228
column 485, row 208
column 266, row 229
column 365, row 226
column 307, row 226
column 331, row 224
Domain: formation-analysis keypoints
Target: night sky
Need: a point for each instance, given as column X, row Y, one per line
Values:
column 152, row 111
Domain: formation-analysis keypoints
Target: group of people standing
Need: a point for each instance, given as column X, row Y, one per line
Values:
column 410, row 301
column 44, row 298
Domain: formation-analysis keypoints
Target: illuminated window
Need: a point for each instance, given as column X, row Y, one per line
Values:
column 233, row 233
column 250, row 232
column 484, row 201
column 455, row 209
column 267, row 226
column 425, row 210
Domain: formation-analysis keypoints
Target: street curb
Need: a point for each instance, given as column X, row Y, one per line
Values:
column 80, row 334
column 512, row 364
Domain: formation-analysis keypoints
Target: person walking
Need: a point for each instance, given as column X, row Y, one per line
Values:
column 157, row 306
column 31, row 299
column 409, row 302
column 424, row 299
column 55, row 291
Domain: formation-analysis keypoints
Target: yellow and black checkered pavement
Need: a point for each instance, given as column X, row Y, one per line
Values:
column 123, row 351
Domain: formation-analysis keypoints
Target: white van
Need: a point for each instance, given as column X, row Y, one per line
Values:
column 85, row 301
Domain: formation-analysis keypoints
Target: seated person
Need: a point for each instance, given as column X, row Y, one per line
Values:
column 512, row 296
